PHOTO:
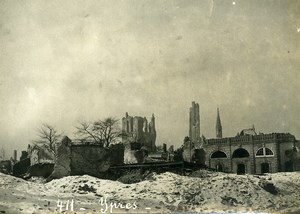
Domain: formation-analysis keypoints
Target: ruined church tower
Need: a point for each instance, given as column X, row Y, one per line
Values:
column 218, row 125
column 194, row 132
column 137, row 129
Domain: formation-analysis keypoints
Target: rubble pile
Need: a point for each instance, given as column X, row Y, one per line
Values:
column 205, row 192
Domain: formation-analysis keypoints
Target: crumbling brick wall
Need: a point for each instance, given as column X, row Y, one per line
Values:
column 133, row 153
column 21, row 167
column 91, row 159
column 62, row 159
column 137, row 129
column 41, row 169
column 188, row 151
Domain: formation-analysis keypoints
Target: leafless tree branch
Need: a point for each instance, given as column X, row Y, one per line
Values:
column 101, row 132
column 48, row 136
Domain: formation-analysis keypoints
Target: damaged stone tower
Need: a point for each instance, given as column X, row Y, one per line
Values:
column 194, row 132
column 137, row 129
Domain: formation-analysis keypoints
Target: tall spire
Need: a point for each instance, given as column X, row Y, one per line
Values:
column 218, row 125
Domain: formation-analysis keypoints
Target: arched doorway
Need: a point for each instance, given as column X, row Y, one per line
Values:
column 219, row 167
column 289, row 166
column 265, row 168
column 241, row 169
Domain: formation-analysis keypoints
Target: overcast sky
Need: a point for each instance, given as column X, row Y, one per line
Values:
column 63, row 61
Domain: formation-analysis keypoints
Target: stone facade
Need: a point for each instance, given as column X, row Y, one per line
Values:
column 248, row 152
column 137, row 129
column 253, row 154
column 194, row 127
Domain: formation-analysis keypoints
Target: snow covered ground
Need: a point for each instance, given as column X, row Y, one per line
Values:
column 213, row 192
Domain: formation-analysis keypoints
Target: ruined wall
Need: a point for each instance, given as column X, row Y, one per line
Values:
column 95, row 159
column 79, row 159
column 188, row 151
column 21, row 167
column 40, row 155
column 137, row 129
column 288, row 152
column 133, row 153
column 297, row 155
column 89, row 159
column 192, row 153
column 117, row 154
column 148, row 140
column 34, row 158
column 62, row 159
column 24, row 155
column 194, row 123
column 42, row 169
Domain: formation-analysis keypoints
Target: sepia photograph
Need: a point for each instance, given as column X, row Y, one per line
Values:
column 150, row 106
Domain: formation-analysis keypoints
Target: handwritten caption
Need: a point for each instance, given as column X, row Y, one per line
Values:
column 104, row 205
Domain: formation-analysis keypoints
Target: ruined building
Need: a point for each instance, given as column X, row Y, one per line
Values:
column 75, row 158
column 194, row 131
column 39, row 154
column 138, row 130
column 252, row 153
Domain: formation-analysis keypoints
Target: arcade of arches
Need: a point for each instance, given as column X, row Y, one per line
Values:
column 249, row 160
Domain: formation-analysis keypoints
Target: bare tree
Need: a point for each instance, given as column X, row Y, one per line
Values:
column 104, row 131
column 48, row 137
column 85, row 131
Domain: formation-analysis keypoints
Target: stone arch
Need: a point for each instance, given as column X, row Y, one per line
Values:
column 240, row 153
column 218, row 154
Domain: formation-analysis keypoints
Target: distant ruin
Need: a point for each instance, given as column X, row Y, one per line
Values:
column 72, row 158
column 194, row 126
column 137, row 129
column 247, row 152
column 139, row 137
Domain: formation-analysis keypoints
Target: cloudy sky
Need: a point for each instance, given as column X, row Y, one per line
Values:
column 64, row 61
